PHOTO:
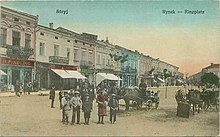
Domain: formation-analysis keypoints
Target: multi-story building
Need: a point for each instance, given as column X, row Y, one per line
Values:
column 83, row 52
column 130, row 70
column 212, row 68
column 17, row 46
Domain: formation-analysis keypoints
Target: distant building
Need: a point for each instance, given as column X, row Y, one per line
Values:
column 212, row 68
column 17, row 46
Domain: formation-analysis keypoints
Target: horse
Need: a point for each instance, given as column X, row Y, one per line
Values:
column 194, row 97
column 210, row 97
column 131, row 93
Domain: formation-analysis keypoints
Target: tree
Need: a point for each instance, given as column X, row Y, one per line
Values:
column 210, row 79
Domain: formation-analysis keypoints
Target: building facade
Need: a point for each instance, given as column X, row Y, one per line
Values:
column 83, row 52
column 17, row 48
column 130, row 68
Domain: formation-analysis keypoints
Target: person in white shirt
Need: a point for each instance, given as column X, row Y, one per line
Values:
column 76, row 103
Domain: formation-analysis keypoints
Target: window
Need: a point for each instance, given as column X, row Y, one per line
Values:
column 68, row 53
column 27, row 40
column 83, row 43
column 68, row 40
column 56, row 50
column 75, row 54
column 107, row 60
column 16, row 37
column 83, row 55
column 3, row 36
column 3, row 15
column 42, row 33
column 28, row 23
column 103, row 60
column 16, row 19
column 42, row 49
column 90, row 57
column 75, row 41
column 56, row 37
column 98, row 59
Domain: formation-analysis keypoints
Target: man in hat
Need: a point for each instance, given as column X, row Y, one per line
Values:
column 87, row 108
column 143, row 88
column 113, row 104
column 66, row 108
column 102, row 99
column 76, row 103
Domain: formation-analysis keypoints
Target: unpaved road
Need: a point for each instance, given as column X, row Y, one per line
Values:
column 32, row 115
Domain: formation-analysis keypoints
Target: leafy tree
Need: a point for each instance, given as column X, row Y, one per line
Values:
column 210, row 79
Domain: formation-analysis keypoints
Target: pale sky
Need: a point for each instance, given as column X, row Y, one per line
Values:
column 188, row 41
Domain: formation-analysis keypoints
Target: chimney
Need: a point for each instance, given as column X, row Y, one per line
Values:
column 51, row 25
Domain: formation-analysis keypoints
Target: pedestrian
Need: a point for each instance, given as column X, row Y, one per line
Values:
column 87, row 108
column 102, row 99
column 60, row 98
column 17, row 88
column 76, row 103
column 66, row 108
column 113, row 104
column 29, row 87
column 52, row 95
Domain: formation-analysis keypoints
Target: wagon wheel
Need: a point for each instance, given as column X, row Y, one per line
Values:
column 157, row 104
column 217, row 104
column 149, row 105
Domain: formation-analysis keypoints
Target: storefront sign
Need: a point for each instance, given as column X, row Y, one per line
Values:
column 17, row 62
column 87, row 71
column 53, row 66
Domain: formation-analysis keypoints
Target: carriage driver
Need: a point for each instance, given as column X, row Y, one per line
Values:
column 143, row 87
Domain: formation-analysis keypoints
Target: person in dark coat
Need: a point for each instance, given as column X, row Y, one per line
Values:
column 60, row 98
column 113, row 104
column 87, row 108
column 102, row 99
column 52, row 95
column 29, row 87
column 143, row 88
column 17, row 88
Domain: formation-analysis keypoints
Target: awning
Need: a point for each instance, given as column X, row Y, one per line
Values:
column 2, row 73
column 102, row 76
column 62, row 73
column 76, row 74
column 161, row 80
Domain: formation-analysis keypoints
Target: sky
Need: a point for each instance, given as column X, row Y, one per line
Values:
column 189, row 41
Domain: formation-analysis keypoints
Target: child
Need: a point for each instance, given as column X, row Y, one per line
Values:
column 87, row 108
column 113, row 104
column 66, row 108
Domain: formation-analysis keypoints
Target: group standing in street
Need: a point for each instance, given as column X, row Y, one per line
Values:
column 81, row 98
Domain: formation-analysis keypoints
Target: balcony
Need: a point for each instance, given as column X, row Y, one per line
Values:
column 57, row 59
column 84, row 63
column 18, row 52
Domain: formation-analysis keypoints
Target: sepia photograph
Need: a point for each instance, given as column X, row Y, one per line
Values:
column 109, row 68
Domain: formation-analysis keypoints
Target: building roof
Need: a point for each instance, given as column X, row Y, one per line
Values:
column 212, row 66
column 19, row 12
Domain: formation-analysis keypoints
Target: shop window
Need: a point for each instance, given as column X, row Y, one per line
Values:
column 3, row 36
column 16, row 37
column 42, row 49
column 27, row 40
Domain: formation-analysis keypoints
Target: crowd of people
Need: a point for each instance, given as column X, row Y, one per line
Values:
column 82, row 98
